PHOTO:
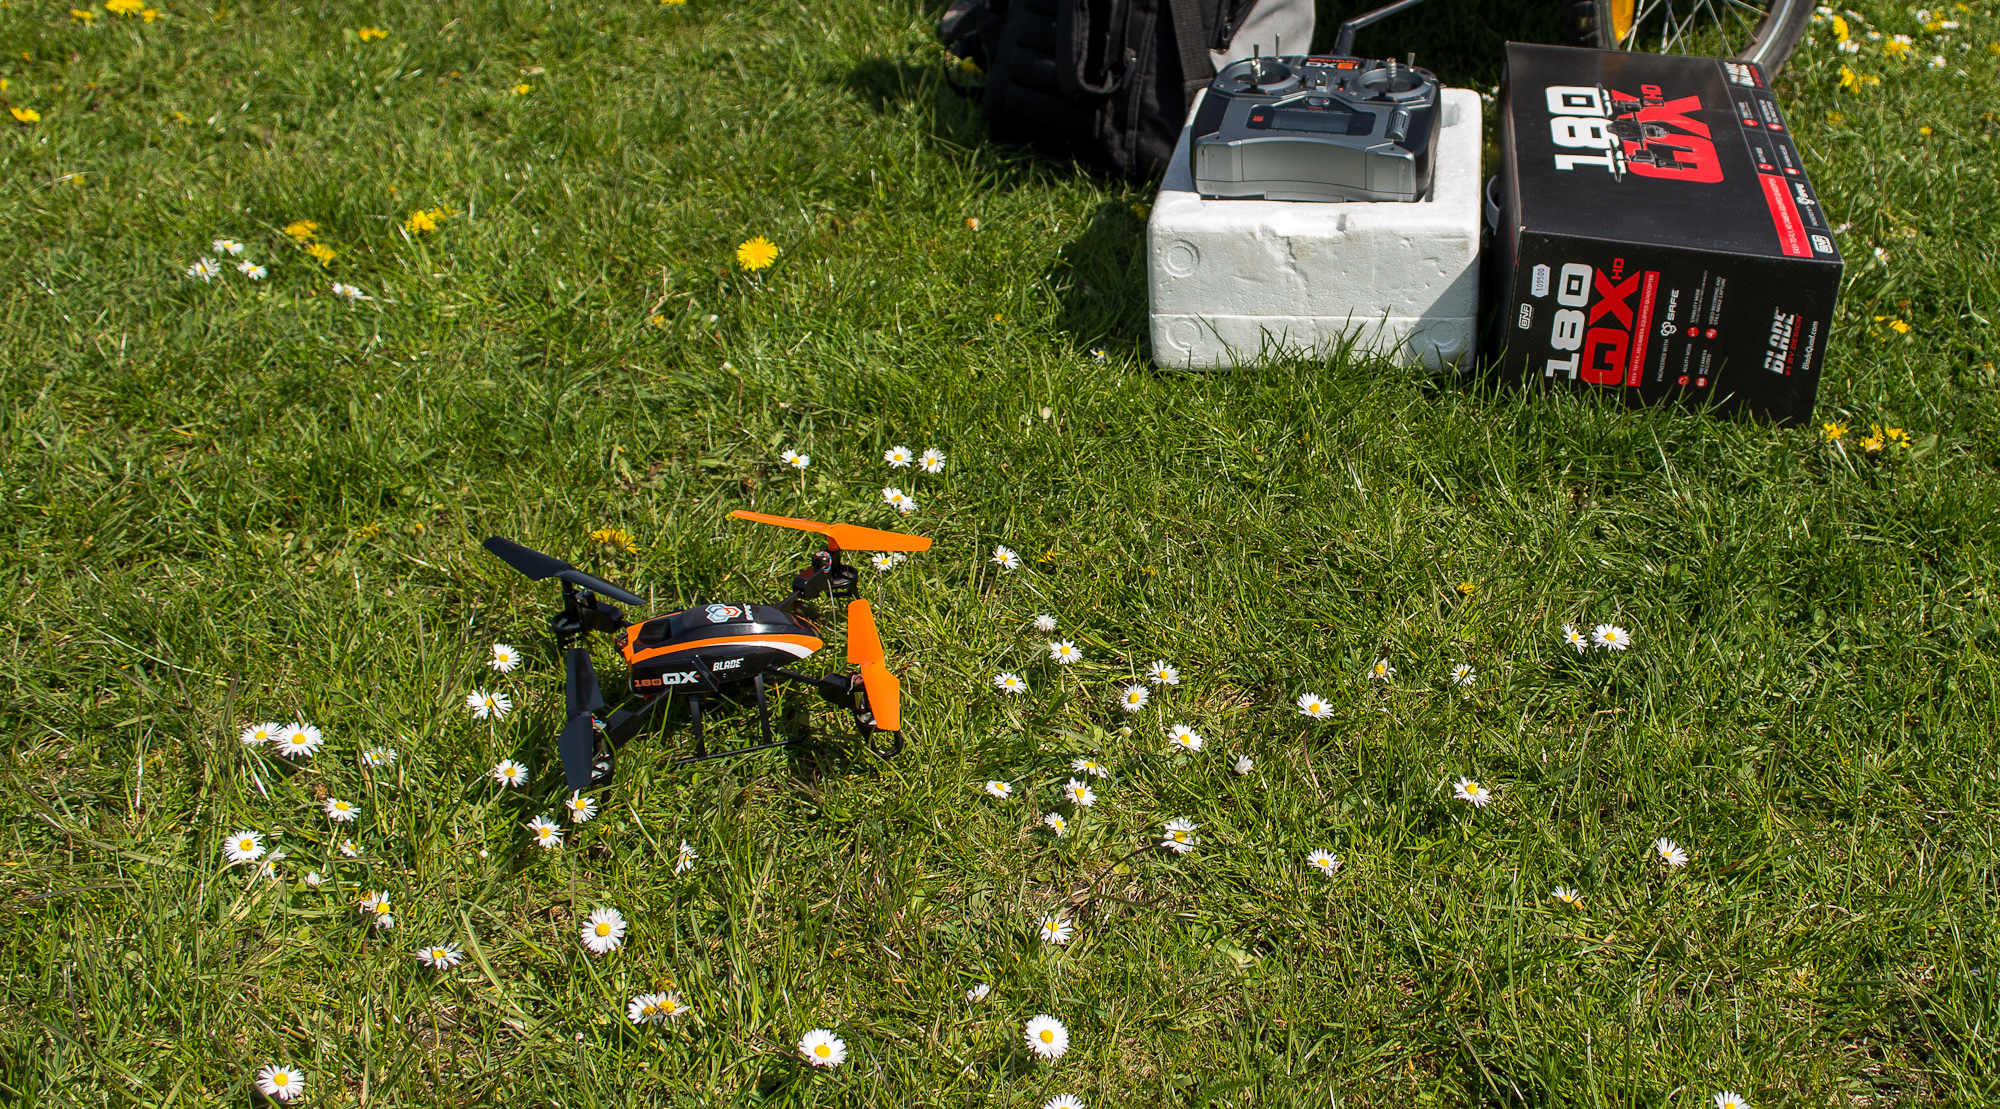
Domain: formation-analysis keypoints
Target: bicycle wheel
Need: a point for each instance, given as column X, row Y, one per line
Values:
column 1761, row 31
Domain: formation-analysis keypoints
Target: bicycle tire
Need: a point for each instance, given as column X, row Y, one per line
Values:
column 1765, row 33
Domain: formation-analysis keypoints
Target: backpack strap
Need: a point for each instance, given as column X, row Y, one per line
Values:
column 1191, row 41
column 1074, row 47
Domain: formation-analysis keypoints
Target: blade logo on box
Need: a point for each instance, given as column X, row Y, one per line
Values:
column 1648, row 135
column 1527, row 316
column 727, row 664
column 1781, row 347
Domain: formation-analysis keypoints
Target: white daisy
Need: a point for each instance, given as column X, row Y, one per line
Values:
column 1046, row 1036
column 483, row 704
column 256, row 735
column 672, row 1006
column 798, row 461
column 643, row 1009
column 243, row 847
column 509, row 773
column 312, row 878
column 1055, row 823
column 297, row 740
column 280, row 1082
column 1045, row 623
column 897, row 457
column 603, row 930
column 348, row 849
column 204, row 271
column 1006, row 557
column 933, row 461
column 1162, row 674
column 822, row 1048
column 978, row 993
column 1182, row 736
column 1089, row 766
column 251, row 270
column 1079, row 794
column 349, row 292
column 684, row 858
column 1469, row 790
column 899, row 500
column 1730, row 1099
column 226, row 246
column 378, row 756
column 1575, row 638
column 1065, row 652
column 1324, row 861
column 1009, row 682
column 1066, row 1101
column 790, row 458
column 1180, row 837
column 1670, row 853
column 1134, row 698
column 375, row 910
column 580, row 808
column 999, row 789
column 1382, row 671
column 547, row 834
column 505, row 658
column 1313, row 705
column 1243, row 764
column 268, row 868
column 341, row 812
column 1463, row 675
column 440, row 956
column 1567, row 896
column 884, row 561
column 1611, row 637
column 1056, row 929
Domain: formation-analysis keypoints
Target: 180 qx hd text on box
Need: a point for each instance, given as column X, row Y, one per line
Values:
column 1656, row 233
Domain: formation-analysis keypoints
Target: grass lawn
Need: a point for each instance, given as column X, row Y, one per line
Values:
column 231, row 501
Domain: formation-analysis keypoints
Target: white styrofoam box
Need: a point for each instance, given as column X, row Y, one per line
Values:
column 1233, row 281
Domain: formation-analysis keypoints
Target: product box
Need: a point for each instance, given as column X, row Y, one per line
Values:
column 1654, row 232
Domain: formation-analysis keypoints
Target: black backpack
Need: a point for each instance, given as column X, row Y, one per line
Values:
column 1104, row 82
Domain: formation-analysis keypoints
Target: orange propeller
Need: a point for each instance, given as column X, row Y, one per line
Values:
column 864, row 649
column 848, row 537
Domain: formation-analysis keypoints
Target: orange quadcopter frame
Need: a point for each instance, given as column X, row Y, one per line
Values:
column 710, row 651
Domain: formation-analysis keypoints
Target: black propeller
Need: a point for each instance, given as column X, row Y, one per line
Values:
column 578, row 744
column 534, row 565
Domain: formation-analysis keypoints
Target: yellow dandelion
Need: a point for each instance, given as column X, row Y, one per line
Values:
column 1836, row 118
column 421, row 221
column 523, row 89
column 673, row 3
column 1899, row 327
column 81, row 16
column 1923, row 130
column 322, row 252
column 123, row 7
column 756, row 253
column 149, row 14
column 1897, row 436
column 301, row 229
column 1833, row 431
column 1840, row 29
column 26, row 115
column 367, row 33
column 1466, row 588
column 615, row 537
column 1896, row 48
column 1872, row 444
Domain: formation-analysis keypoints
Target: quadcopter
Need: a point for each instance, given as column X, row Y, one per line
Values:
column 713, row 651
